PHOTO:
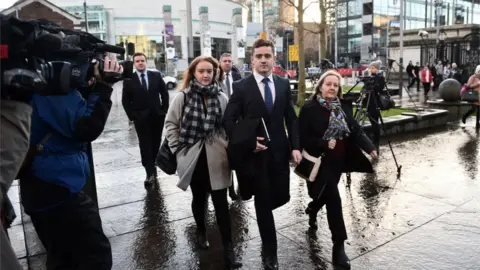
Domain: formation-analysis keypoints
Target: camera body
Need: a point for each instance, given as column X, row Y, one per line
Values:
column 38, row 56
column 376, row 85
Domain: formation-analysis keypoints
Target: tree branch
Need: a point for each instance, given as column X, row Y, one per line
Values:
column 309, row 4
column 290, row 3
column 320, row 30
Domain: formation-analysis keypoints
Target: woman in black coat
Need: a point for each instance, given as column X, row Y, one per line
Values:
column 328, row 129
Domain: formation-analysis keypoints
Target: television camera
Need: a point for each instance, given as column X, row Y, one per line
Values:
column 38, row 56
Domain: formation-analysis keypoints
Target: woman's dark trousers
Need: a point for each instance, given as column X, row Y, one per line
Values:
column 200, row 186
column 331, row 198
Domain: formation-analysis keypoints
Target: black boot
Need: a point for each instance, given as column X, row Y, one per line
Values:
column 229, row 257
column 467, row 114
column 202, row 239
column 312, row 218
column 271, row 262
column 231, row 192
column 339, row 257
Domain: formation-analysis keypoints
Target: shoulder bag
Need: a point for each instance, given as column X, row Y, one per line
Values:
column 468, row 94
column 308, row 167
column 166, row 160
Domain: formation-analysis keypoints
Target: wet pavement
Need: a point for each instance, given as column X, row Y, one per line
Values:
column 427, row 219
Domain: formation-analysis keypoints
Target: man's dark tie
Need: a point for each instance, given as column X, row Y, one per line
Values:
column 144, row 82
column 268, row 95
column 229, row 93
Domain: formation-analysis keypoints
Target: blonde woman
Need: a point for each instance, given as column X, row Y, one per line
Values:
column 195, row 134
column 328, row 129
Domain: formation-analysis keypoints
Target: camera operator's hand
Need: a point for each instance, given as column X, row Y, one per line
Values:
column 332, row 143
column 111, row 73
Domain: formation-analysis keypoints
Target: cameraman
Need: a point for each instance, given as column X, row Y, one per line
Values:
column 66, row 220
column 375, row 86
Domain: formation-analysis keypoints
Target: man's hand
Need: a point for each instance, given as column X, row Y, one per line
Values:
column 374, row 154
column 112, row 70
column 260, row 147
column 332, row 143
column 297, row 156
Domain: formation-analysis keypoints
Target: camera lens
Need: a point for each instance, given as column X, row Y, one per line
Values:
column 57, row 74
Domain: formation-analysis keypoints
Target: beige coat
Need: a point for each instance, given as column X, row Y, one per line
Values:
column 218, row 167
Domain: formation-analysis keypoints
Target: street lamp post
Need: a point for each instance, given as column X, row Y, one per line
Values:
column 288, row 50
column 336, row 34
column 189, row 30
column 402, row 22
column 85, row 13
column 438, row 7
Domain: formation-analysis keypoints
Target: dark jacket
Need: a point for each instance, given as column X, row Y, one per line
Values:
column 417, row 69
column 313, row 122
column 236, row 74
column 138, row 103
column 410, row 70
column 63, row 166
column 247, row 103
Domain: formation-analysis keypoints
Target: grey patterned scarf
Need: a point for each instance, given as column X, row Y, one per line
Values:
column 337, row 125
column 196, row 125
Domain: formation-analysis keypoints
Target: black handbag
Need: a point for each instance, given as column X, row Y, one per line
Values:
column 308, row 167
column 470, row 96
column 166, row 160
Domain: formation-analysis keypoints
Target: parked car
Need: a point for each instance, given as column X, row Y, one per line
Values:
column 170, row 82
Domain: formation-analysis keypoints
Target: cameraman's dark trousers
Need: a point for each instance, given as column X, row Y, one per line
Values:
column 374, row 116
column 68, row 225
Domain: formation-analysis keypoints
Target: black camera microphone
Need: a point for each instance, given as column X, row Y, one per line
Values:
column 102, row 47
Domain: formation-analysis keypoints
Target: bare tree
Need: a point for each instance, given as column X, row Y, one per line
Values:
column 327, row 11
column 298, row 5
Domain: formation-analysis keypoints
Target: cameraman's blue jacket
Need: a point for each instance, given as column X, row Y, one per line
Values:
column 73, row 121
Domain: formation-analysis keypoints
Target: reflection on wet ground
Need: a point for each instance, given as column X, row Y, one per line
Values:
column 427, row 219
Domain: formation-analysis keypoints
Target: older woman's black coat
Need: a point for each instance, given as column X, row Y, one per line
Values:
column 313, row 122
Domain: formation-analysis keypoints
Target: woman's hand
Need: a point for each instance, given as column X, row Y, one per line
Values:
column 374, row 154
column 332, row 143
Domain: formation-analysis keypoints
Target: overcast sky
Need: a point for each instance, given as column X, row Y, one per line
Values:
column 6, row 3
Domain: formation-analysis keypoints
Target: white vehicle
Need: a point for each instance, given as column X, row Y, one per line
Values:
column 170, row 82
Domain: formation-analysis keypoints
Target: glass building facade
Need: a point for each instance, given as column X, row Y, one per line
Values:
column 96, row 17
column 419, row 14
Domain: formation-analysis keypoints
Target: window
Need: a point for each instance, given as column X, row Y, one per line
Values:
column 354, row 44
column 367, row 29
column 368, row 9
column 354, row 8
column 151, row 46
column 355, row 27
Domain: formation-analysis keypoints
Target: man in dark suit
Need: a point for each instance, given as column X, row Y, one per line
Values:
column 145, row 100
column 268, row 97
column 231, row 75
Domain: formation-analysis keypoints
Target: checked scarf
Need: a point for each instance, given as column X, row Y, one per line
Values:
column 196, row 125
column 337, row 126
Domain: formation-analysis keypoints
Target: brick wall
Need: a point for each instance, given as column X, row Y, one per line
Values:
column 37, row 10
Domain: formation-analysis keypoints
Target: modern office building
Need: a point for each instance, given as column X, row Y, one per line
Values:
column 96, row 17
column 363, row 24
column 143, row 23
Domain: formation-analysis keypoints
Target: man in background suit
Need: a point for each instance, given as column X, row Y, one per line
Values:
column 268, row 97
column 145, row 100
column 231, row 75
